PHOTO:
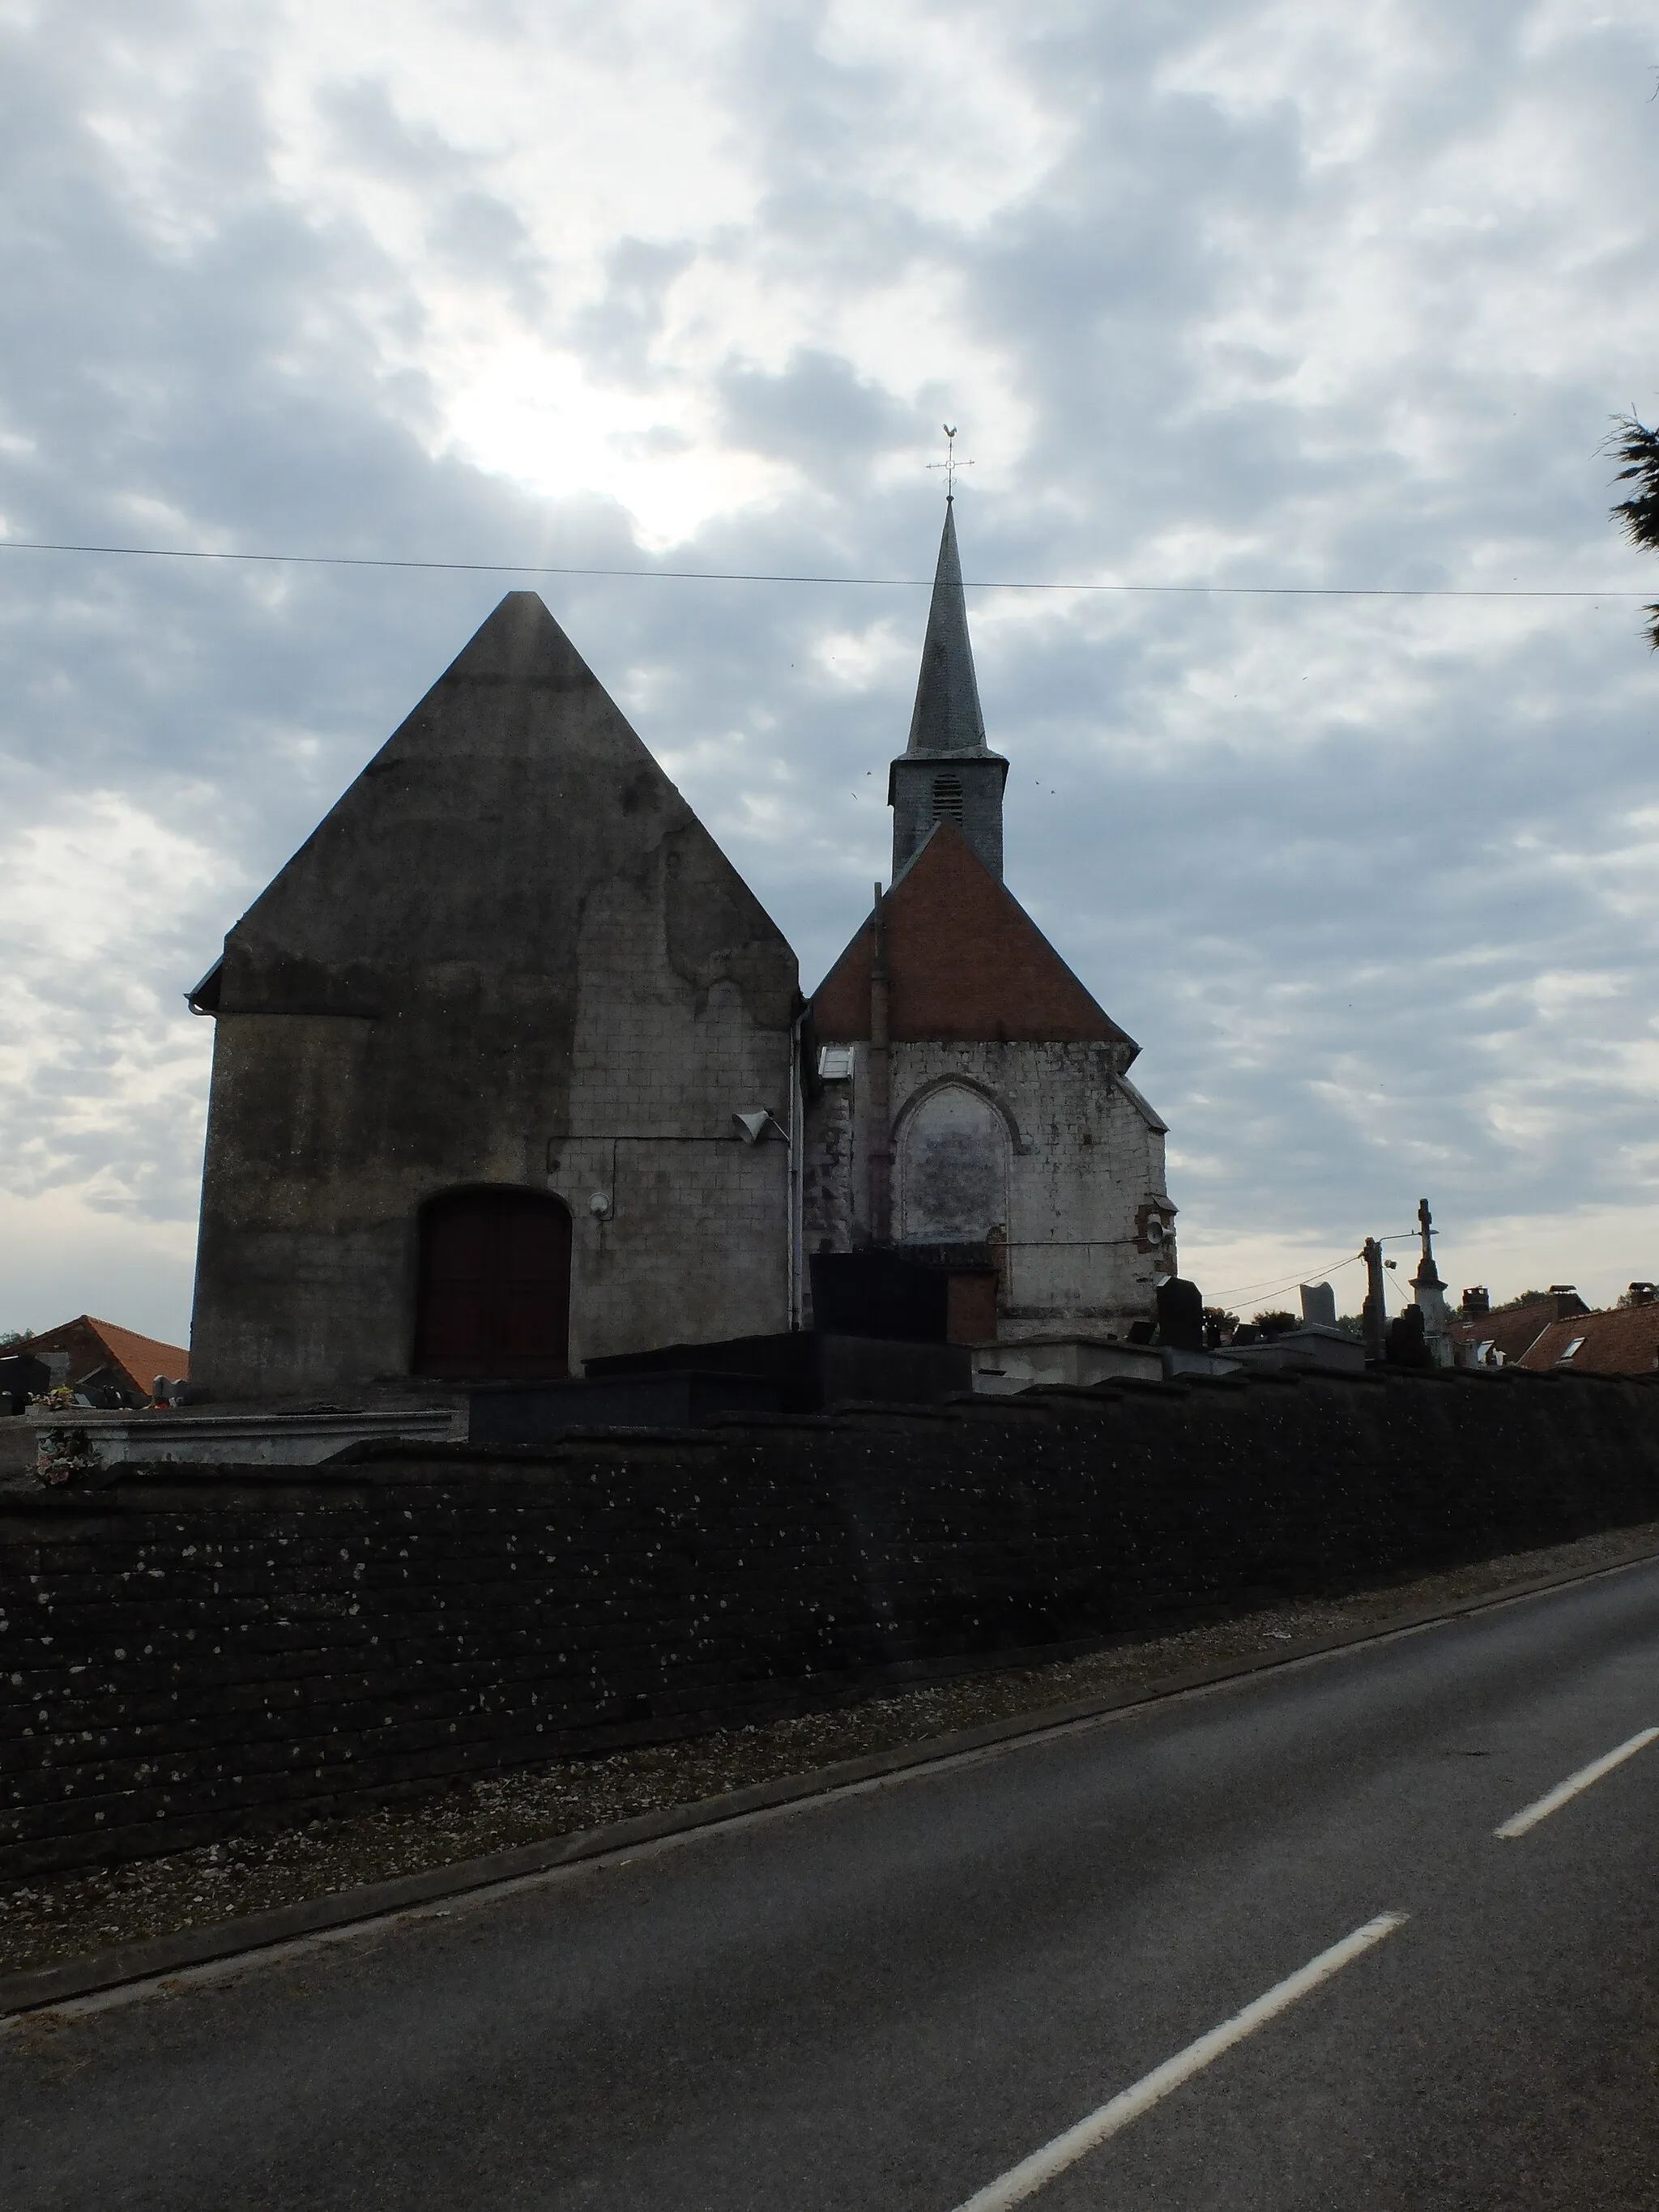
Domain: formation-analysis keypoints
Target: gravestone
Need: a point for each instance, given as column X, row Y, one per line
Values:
column 1407, row 1344
column 1180, row 1315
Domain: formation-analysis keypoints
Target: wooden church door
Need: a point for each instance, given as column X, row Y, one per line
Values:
column 494, row 1301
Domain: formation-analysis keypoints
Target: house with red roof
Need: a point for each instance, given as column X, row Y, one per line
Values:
column 1559, row 1334
column 110, row 1365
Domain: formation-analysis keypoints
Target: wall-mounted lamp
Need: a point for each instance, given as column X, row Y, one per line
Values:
column 599, row 1205
column 753, row 1126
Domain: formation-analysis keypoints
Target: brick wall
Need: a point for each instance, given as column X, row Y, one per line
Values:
column 967, row 962
column 182, row 1654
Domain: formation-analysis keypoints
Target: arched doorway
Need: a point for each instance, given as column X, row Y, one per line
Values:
column 493, row 1300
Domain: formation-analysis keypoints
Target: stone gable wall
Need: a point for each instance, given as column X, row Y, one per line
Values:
column 184, row 1654
column 662, row 1061
column 1083, row 1163
column 509, row 956
column 827, row 1190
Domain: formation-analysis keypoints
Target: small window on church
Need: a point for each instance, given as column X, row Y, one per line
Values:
column 947, row 798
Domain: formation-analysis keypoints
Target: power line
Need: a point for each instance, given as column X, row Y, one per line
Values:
column 1269, row 1286
column 768, row 576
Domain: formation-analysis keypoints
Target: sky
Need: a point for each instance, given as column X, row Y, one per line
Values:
column 1218, row 295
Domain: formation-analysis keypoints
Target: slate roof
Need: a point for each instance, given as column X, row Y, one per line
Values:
column 947, row 718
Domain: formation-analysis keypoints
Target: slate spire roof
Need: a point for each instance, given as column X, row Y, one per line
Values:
column 947, row 718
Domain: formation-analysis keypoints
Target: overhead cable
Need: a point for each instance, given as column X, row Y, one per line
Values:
column 770, row 576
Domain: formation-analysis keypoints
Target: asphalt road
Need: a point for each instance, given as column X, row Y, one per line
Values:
column 894, row 1997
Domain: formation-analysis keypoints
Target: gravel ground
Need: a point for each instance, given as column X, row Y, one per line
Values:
column 67, row 1915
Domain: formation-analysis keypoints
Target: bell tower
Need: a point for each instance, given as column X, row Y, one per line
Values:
column 947, row 773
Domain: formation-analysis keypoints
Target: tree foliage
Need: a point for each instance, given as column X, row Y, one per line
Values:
column 1632, row 442
column 1276, row 1323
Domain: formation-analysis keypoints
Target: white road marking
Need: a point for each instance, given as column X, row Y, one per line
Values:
column 1031, row 2173
column 1530, row 1815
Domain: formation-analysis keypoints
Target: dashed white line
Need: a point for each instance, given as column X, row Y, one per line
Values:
column 1023, row 2180
column 1530, row 1815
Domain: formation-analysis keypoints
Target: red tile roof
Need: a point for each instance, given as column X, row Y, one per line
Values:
column 968, row 965
column 140, row 1359
column 1512, row 1329
column 1622, row 1340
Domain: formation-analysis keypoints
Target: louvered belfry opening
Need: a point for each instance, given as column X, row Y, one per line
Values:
column 947, row 800
column 494, row 1302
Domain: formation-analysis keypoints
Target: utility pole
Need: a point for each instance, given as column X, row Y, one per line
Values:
column 1375, row 1313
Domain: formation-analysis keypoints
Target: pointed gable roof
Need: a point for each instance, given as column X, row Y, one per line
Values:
column 92, row 1344
column 967, row 963
column 142, row 1357
column 473, row 841
column 517, row 731
column 946, row 717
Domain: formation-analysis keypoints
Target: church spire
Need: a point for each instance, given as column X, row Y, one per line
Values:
column 947, row 718
column 947, row 772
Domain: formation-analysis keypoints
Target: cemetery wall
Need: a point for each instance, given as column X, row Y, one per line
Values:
column 184, row 1653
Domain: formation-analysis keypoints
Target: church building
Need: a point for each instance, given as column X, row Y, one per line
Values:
column 512, row 1071
column 973, row 1101
column 485, row 1050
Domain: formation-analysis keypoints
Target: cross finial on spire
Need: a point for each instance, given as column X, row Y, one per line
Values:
column 949, row 463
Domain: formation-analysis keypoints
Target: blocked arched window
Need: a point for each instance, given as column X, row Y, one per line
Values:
column 954, row 1169
column 494, row 1301
column 947, row 800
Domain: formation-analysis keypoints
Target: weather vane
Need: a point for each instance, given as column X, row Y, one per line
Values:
column 949, row 463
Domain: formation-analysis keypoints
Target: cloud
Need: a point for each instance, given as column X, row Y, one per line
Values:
column 102, row 1071
column 1228, row 294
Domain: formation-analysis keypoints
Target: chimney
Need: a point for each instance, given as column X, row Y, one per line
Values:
column 1476, row 1304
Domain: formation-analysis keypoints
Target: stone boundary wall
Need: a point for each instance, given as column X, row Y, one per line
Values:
column 186, row 1652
